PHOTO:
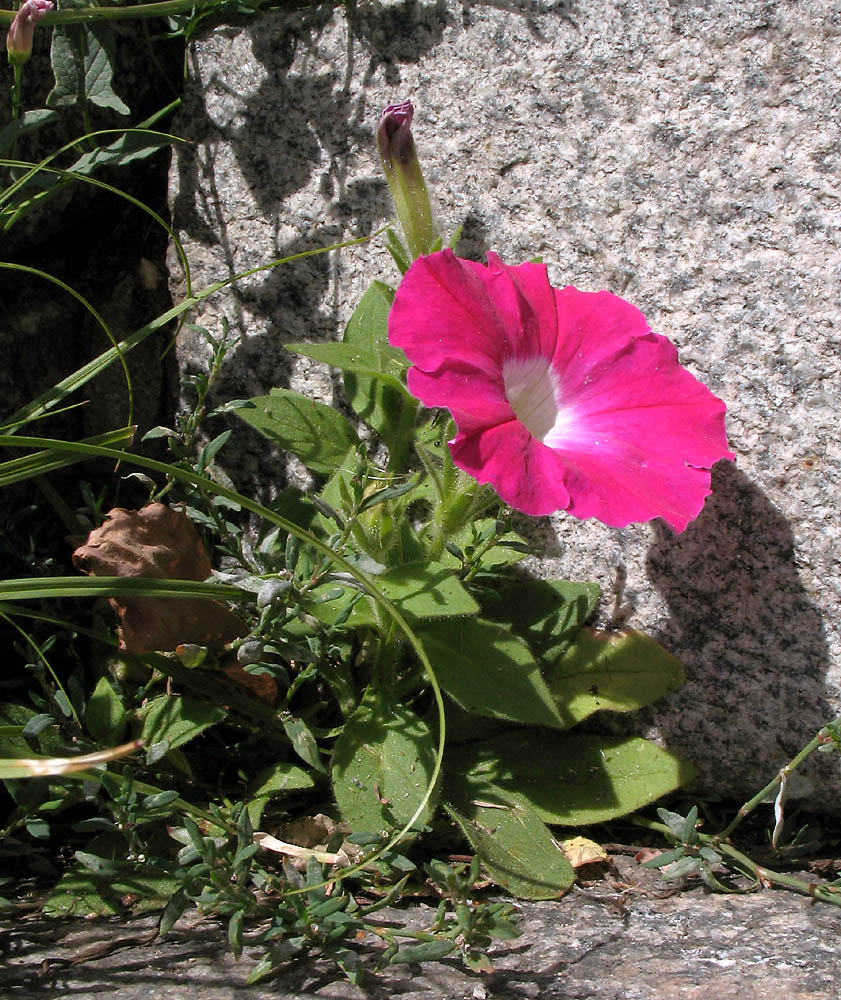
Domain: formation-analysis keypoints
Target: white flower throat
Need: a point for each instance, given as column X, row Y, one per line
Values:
column 532, row 390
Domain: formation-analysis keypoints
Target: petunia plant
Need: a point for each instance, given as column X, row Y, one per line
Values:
column 370, row 675
column 475, row 392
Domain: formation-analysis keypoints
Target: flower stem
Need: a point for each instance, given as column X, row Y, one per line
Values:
column 16, row 100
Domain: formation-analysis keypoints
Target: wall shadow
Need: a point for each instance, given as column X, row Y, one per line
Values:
column 751, row 640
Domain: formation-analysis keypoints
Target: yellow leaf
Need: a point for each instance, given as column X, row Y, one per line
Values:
column 581, row 851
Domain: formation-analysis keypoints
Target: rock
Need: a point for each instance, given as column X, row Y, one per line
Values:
column 611, row 942
column 683, row 155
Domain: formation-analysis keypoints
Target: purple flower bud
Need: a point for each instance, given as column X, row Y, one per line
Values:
column 399, row 159
column 395, row 134
column 19, row 35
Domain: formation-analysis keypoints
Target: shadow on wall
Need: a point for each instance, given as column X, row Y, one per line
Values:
column 296, row 131
column 751, row 641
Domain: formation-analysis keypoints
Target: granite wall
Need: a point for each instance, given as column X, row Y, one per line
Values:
column 682, row 154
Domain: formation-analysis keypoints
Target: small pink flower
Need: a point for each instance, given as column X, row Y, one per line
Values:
column 563, row 400
column 22, row 28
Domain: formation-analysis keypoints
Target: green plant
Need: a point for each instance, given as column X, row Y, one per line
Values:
column 696, row 853
column 365, row 673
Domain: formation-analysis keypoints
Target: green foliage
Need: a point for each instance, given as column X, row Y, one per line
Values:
column 488, row 671
column 378, row 608
column 105, row 715
column 83, row 59
column 615, row 673
column 170, row 722
column 317, row 434
column 383, row 763
column 546, row 613
column 517, row 849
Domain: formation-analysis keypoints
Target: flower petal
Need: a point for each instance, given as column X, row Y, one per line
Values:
column 441, row 313
column 643, row 400
column 524, row 472
column 619, row 491
column 447, row 310
column 592, row 327
column 462, row 389
column 526, row 303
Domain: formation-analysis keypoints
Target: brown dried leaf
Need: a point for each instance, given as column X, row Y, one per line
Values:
column 260, row 686
column 646, row 854
column 158, row 542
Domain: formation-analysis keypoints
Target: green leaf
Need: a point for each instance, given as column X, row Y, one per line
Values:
column 424, row 590
column 29, row 121
column 13, row 722
column 36, row 725
column 386, row 365
column 516, row 848
column 614, row 672
column 546, row 613
column 508, row 549
column 178, row 903
column 316, row 433
column 81, row 892
column 569, row 779
column 376, row 391
column 175, row 721
column 83, row 58
column 135, row 144
column 365, row 348
column 488, row 671
column 105, row 716
column 280, row 779
column 382, row 765
column 428, row 951
column 304, row 743
column 235, row 932
column 40, row 462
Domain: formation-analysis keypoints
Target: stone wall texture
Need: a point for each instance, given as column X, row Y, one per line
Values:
column 682, row 154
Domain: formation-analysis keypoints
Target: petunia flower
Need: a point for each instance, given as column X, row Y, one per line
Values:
column 22, row 28
column 563, row 400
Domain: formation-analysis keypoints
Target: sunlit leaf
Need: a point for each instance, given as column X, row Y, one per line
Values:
column 614, row 672
column 382, row 765
column 515, row 846
column 546, row 613
column 318, row 434
column 105, row 716
column 177, row 720
column 569, row 779
column 488, row 671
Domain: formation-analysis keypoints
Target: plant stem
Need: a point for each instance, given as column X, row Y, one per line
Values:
column 764, row 876
column 824, row 893
column 16, row 100
column 822, row 736
column 85, row 15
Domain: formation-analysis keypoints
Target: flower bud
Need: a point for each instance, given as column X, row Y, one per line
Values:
column 402, row 170
column 19, row 35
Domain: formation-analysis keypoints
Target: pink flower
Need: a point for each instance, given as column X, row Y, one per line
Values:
column 563, row 400
column 22, row 28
